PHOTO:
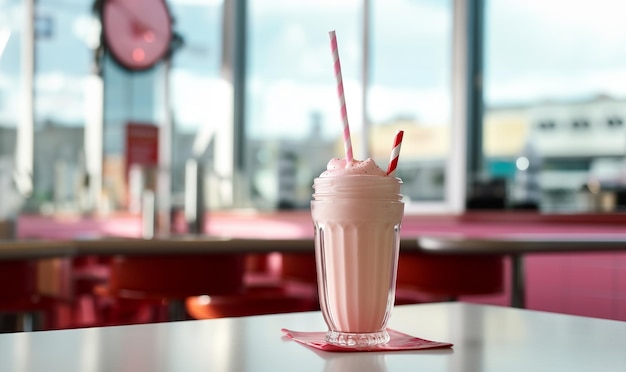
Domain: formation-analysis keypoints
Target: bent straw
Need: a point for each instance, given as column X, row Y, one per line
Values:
column 347, row 142
column 395, row 153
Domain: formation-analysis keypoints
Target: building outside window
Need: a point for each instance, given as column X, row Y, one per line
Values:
column 553, row 84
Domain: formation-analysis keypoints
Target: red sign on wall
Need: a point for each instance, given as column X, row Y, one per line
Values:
column 142, row 144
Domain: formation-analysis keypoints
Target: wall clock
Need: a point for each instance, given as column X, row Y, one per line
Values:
column 137, row 32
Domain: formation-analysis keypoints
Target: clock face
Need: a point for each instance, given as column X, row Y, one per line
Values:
column 137, row 32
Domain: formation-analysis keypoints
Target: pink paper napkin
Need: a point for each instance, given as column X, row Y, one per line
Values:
column 398, row 341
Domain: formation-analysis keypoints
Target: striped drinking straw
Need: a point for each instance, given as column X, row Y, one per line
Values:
column 395, row 153
column 347, row 142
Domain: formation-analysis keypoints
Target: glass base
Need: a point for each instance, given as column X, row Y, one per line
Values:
column 357, row 340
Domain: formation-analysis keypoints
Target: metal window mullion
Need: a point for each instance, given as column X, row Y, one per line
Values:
column 231, row 146
column 240, row 17
column 456, row 171
column 474, row 150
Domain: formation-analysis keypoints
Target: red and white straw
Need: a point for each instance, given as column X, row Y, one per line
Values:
column 395, row 153
column 347, row 142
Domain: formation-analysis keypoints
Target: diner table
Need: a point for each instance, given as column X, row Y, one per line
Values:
column 35, row 249
column 190, row 244
column 513, row 245
column 516, row 246
column 485, row 338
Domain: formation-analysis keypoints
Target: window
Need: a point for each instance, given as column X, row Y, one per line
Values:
column 614, row 122
column 566, row 68
column 11, row 82
column 399, row 78
column 410, row 89
column 10, row 46
column 292, row 112
column 189, row 89
column 199, row 96
column 129, row 97
column 59, row 101
column 547, row 125
column 580, row 124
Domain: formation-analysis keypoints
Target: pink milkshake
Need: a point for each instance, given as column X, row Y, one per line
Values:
column 357, row 211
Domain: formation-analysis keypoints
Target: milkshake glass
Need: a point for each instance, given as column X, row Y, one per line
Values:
column 357, row 212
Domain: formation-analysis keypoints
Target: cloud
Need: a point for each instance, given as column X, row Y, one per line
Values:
column 553, row 49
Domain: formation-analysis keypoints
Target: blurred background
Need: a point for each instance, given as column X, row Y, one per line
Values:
column 534, row 90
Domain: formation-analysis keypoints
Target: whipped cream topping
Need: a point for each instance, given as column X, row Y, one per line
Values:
column 339, row 167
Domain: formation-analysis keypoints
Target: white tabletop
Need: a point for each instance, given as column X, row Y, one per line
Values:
column 486, row 338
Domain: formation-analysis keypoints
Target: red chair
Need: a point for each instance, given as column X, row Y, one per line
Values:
column 88, row 272
column 299, row 275
column 428, row 277
column 153, row 288
column 299, row 267
column 292, row 288
column 32, row 293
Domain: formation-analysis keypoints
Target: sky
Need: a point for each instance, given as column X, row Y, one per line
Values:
column 554, row 49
